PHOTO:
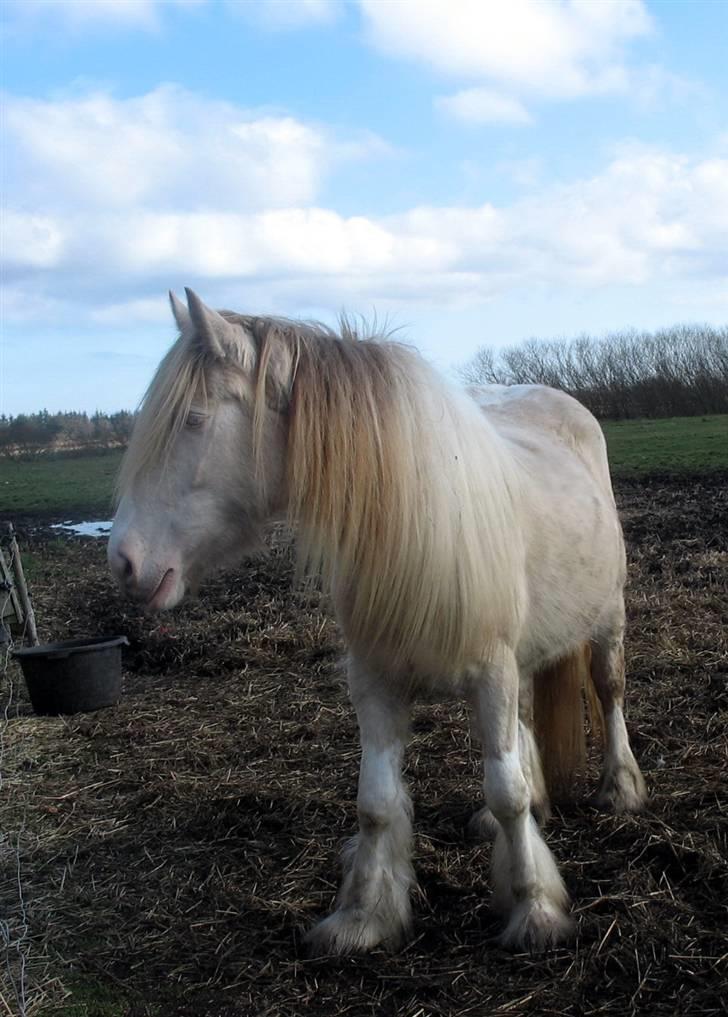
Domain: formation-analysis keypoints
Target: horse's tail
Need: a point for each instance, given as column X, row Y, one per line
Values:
column 559, row 691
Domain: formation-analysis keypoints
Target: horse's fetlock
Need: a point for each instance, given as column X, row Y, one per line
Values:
column 483, row 825
column 371, row 822
column 527, row 890
column 380, row 808
column 506, row 790
column 507, row 805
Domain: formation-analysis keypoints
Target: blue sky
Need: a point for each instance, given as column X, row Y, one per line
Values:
column 478, row 172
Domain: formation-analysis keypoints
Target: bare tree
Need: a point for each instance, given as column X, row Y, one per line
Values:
column 679, row 371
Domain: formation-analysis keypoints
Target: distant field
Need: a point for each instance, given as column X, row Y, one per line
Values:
column 675, row 443
column 72, row 485
column 82, row 485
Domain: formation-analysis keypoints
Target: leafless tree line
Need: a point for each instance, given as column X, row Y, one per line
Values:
column 679, row 371
column 28, row 432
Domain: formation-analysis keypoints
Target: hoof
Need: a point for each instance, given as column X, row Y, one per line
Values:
column 537, row 925
column 351, row 930
column 622, row 790
column 548, row 896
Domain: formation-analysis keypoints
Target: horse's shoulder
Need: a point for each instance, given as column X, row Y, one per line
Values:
column 545, row 419
column 538, row 406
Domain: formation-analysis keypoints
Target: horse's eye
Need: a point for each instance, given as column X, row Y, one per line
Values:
column 195, row 420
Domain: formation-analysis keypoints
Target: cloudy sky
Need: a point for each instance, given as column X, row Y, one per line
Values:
column 479, row 171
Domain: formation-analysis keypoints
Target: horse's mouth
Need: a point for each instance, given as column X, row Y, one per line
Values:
column 163, row 593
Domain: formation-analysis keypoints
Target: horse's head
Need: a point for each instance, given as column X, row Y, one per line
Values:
column 205, row 468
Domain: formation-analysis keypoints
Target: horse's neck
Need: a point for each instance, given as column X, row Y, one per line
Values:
column 416, row 527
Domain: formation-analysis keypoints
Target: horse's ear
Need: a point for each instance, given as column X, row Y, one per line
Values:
column 180, row 312
column 220, row 337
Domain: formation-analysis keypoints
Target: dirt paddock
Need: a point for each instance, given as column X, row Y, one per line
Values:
column 166, row 855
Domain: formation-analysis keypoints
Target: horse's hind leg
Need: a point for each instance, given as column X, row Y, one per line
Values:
column 373, row 906
column 526, row 881
column 622, row 787
column 483, row 823
column 530, row 758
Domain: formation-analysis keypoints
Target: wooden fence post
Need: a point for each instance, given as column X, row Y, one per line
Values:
column 14, row 577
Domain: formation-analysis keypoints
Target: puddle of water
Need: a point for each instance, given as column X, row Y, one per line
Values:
column 94, row 528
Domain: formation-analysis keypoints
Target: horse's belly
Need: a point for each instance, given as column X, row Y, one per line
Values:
column 575, row 569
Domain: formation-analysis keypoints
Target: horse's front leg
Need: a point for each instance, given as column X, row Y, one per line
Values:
column 527, row 884
column 373, row 906
column 483, row 823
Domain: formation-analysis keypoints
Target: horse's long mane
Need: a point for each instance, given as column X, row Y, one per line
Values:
column 178, row 381
column 402, row 496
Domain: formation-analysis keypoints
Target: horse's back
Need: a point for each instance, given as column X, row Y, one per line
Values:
column 538, row 413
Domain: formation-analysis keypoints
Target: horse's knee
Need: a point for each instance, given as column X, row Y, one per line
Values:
column 380, row 788
column 375, row 813
column 506, row 789
column 607, row 659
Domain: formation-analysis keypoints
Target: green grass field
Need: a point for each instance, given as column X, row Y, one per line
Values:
column 70, row 485
column 674, row 443
column 82, row 485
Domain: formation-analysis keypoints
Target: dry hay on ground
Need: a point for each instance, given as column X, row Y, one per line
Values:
column 175, row 847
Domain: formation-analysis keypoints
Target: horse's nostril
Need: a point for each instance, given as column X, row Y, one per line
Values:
column 122, row 563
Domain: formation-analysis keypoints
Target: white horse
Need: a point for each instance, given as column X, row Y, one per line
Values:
column 470, row 542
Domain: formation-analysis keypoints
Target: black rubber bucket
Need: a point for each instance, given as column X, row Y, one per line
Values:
column 75, row 676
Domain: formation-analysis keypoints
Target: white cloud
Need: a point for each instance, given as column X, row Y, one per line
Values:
column 542, row 49
column 560, row 47
column 111, row 200
column 483, row 106
column 648, row 215
column 165, row 149
column 652, row 86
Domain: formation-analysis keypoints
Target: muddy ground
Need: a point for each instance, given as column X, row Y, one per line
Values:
column 173, row 849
